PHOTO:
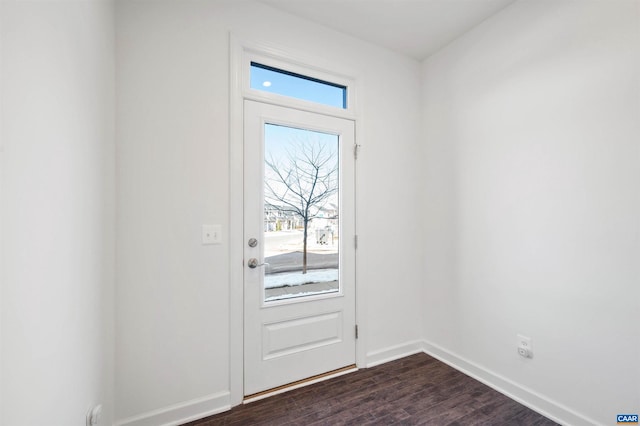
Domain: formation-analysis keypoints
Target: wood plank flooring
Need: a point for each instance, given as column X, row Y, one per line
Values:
column 416, row 390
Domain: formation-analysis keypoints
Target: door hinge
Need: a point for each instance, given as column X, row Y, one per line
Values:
column 355, row 241
column 356, row 148
column 356, row 331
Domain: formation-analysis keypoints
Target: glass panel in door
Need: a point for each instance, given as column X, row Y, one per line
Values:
column 301, row 213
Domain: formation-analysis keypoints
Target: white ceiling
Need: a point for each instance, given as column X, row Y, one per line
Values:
column 416, row 28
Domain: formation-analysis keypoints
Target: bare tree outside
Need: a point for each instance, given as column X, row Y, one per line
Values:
column 302, row 181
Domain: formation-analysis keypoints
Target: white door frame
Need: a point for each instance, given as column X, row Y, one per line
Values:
column 241, row 53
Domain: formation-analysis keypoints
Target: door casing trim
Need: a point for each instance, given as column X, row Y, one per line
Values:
column 238, row 49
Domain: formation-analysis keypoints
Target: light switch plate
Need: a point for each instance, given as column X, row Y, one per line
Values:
column 211, row 234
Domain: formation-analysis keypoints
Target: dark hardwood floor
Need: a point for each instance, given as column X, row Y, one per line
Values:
column 414, row 390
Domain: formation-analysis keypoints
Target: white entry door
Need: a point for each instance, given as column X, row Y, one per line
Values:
column 299, row 256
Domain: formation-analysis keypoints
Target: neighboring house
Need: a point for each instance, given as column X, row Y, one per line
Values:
column 276, row 219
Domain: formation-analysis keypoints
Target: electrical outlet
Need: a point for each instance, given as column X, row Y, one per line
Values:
column 525, row 348
column 93, row 416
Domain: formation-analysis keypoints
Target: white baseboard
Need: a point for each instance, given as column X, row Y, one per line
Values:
column 527, row 397
column 393, row 352
column 181, row 413
column 213, row 404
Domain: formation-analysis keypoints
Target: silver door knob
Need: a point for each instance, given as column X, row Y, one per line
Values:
column 252, row 242
column 253, row 263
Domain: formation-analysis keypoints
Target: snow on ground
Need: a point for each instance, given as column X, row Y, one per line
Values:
column 298, row 278
column 301, row 294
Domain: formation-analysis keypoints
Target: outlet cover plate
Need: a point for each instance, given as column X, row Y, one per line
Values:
column 524, row 342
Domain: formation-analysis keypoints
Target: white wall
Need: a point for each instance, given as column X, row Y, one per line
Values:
column 1, row 201
column 173, row 173
column 521, row 206
column 532, row 130
column 57, row 212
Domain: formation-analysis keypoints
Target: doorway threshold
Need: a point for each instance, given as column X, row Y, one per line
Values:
column 300, row 383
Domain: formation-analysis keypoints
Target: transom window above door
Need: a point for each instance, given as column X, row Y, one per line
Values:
column 286, row 83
